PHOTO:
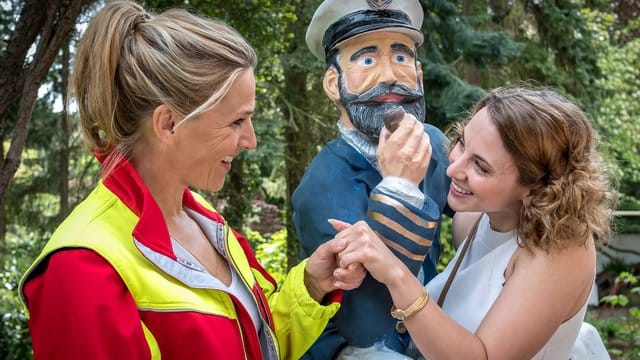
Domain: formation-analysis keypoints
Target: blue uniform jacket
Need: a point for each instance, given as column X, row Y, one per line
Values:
column 341, row 184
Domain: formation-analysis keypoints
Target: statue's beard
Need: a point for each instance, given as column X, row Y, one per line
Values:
column 366, row 114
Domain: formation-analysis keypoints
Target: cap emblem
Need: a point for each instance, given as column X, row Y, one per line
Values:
column 379, row 4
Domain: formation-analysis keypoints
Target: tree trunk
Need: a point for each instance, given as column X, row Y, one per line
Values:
column 3, row 222
column 12, row 62
column 50, row 22
column 471, row 74
column 63, row 159
column 299, row 147
column 500, row 9
column 296, row 154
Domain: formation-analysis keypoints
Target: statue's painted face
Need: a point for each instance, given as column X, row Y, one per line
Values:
column 378, row 72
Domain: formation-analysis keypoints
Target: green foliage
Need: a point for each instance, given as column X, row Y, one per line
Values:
column 451, row 40
column 619, row 336
column 622, row 333
column 447, row 251
column 15, row 343
column 447, row 98
column 585, row 52
column 621, row 299
column 617, row 114
column 558, row 48
column 270, row 252
column 33, row 199
column 627, row 224
column 563, row 30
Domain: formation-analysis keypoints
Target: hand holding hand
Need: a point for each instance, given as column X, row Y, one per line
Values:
column 406, row 152
column 363, row 246
column 323, row 275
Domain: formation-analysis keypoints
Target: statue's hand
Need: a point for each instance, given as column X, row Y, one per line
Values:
column 406, row 152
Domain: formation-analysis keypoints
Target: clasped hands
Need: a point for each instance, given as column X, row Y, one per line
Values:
column 342, row 262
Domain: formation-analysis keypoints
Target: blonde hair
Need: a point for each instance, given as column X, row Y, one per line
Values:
column 554, row 148
column 130, row 61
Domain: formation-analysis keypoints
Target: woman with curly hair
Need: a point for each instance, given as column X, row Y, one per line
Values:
column 532, row 200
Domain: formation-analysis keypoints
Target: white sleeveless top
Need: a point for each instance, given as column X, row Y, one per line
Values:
column 479, row 281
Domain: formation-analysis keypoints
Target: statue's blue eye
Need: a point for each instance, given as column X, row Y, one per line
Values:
column 368, row 61
column 400, row 58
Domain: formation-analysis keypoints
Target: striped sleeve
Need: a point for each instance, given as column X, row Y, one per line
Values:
column 408, row 230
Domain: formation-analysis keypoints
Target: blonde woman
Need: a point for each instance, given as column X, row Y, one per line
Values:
column 144, row 268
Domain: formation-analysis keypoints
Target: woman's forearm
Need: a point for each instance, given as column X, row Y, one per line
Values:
column 436, row 335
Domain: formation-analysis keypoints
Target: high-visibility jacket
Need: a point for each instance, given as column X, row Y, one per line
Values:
column 108, row 284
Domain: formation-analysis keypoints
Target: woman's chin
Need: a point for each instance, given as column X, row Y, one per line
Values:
column 457, row 205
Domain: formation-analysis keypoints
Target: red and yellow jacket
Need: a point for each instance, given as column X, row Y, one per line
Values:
column 107, row 285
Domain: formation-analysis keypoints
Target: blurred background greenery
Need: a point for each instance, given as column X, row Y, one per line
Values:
column 587, row 49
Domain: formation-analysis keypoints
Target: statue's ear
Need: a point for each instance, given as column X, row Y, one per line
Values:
column 330, row 84
column 419, row 71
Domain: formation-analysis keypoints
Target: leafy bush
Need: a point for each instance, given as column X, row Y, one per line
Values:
column 15, row 343
column 447, row 251
column 271, row 252
column 621, row 333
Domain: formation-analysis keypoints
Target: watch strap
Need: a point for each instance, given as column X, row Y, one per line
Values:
column 416, row 306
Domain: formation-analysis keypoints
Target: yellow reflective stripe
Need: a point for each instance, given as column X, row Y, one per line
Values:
column 404, row 211
column 239, row 259
column 244, row 346
column 151, row 341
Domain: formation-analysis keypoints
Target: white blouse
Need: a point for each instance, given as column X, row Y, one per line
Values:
column 479, row 282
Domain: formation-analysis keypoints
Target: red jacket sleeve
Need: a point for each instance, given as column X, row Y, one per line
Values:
column 81, row 309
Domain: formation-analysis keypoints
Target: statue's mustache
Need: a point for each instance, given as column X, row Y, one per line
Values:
column 404, row 91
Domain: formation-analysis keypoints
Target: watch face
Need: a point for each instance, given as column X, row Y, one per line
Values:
column 397, row 314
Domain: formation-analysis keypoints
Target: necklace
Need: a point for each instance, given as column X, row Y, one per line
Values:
column 194, row 240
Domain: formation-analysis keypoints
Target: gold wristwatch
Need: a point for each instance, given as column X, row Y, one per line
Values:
column 417, row 305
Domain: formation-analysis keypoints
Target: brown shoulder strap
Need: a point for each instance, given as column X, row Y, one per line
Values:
column 470, row 238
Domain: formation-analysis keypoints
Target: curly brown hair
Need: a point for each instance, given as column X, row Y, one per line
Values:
column 553, row 145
